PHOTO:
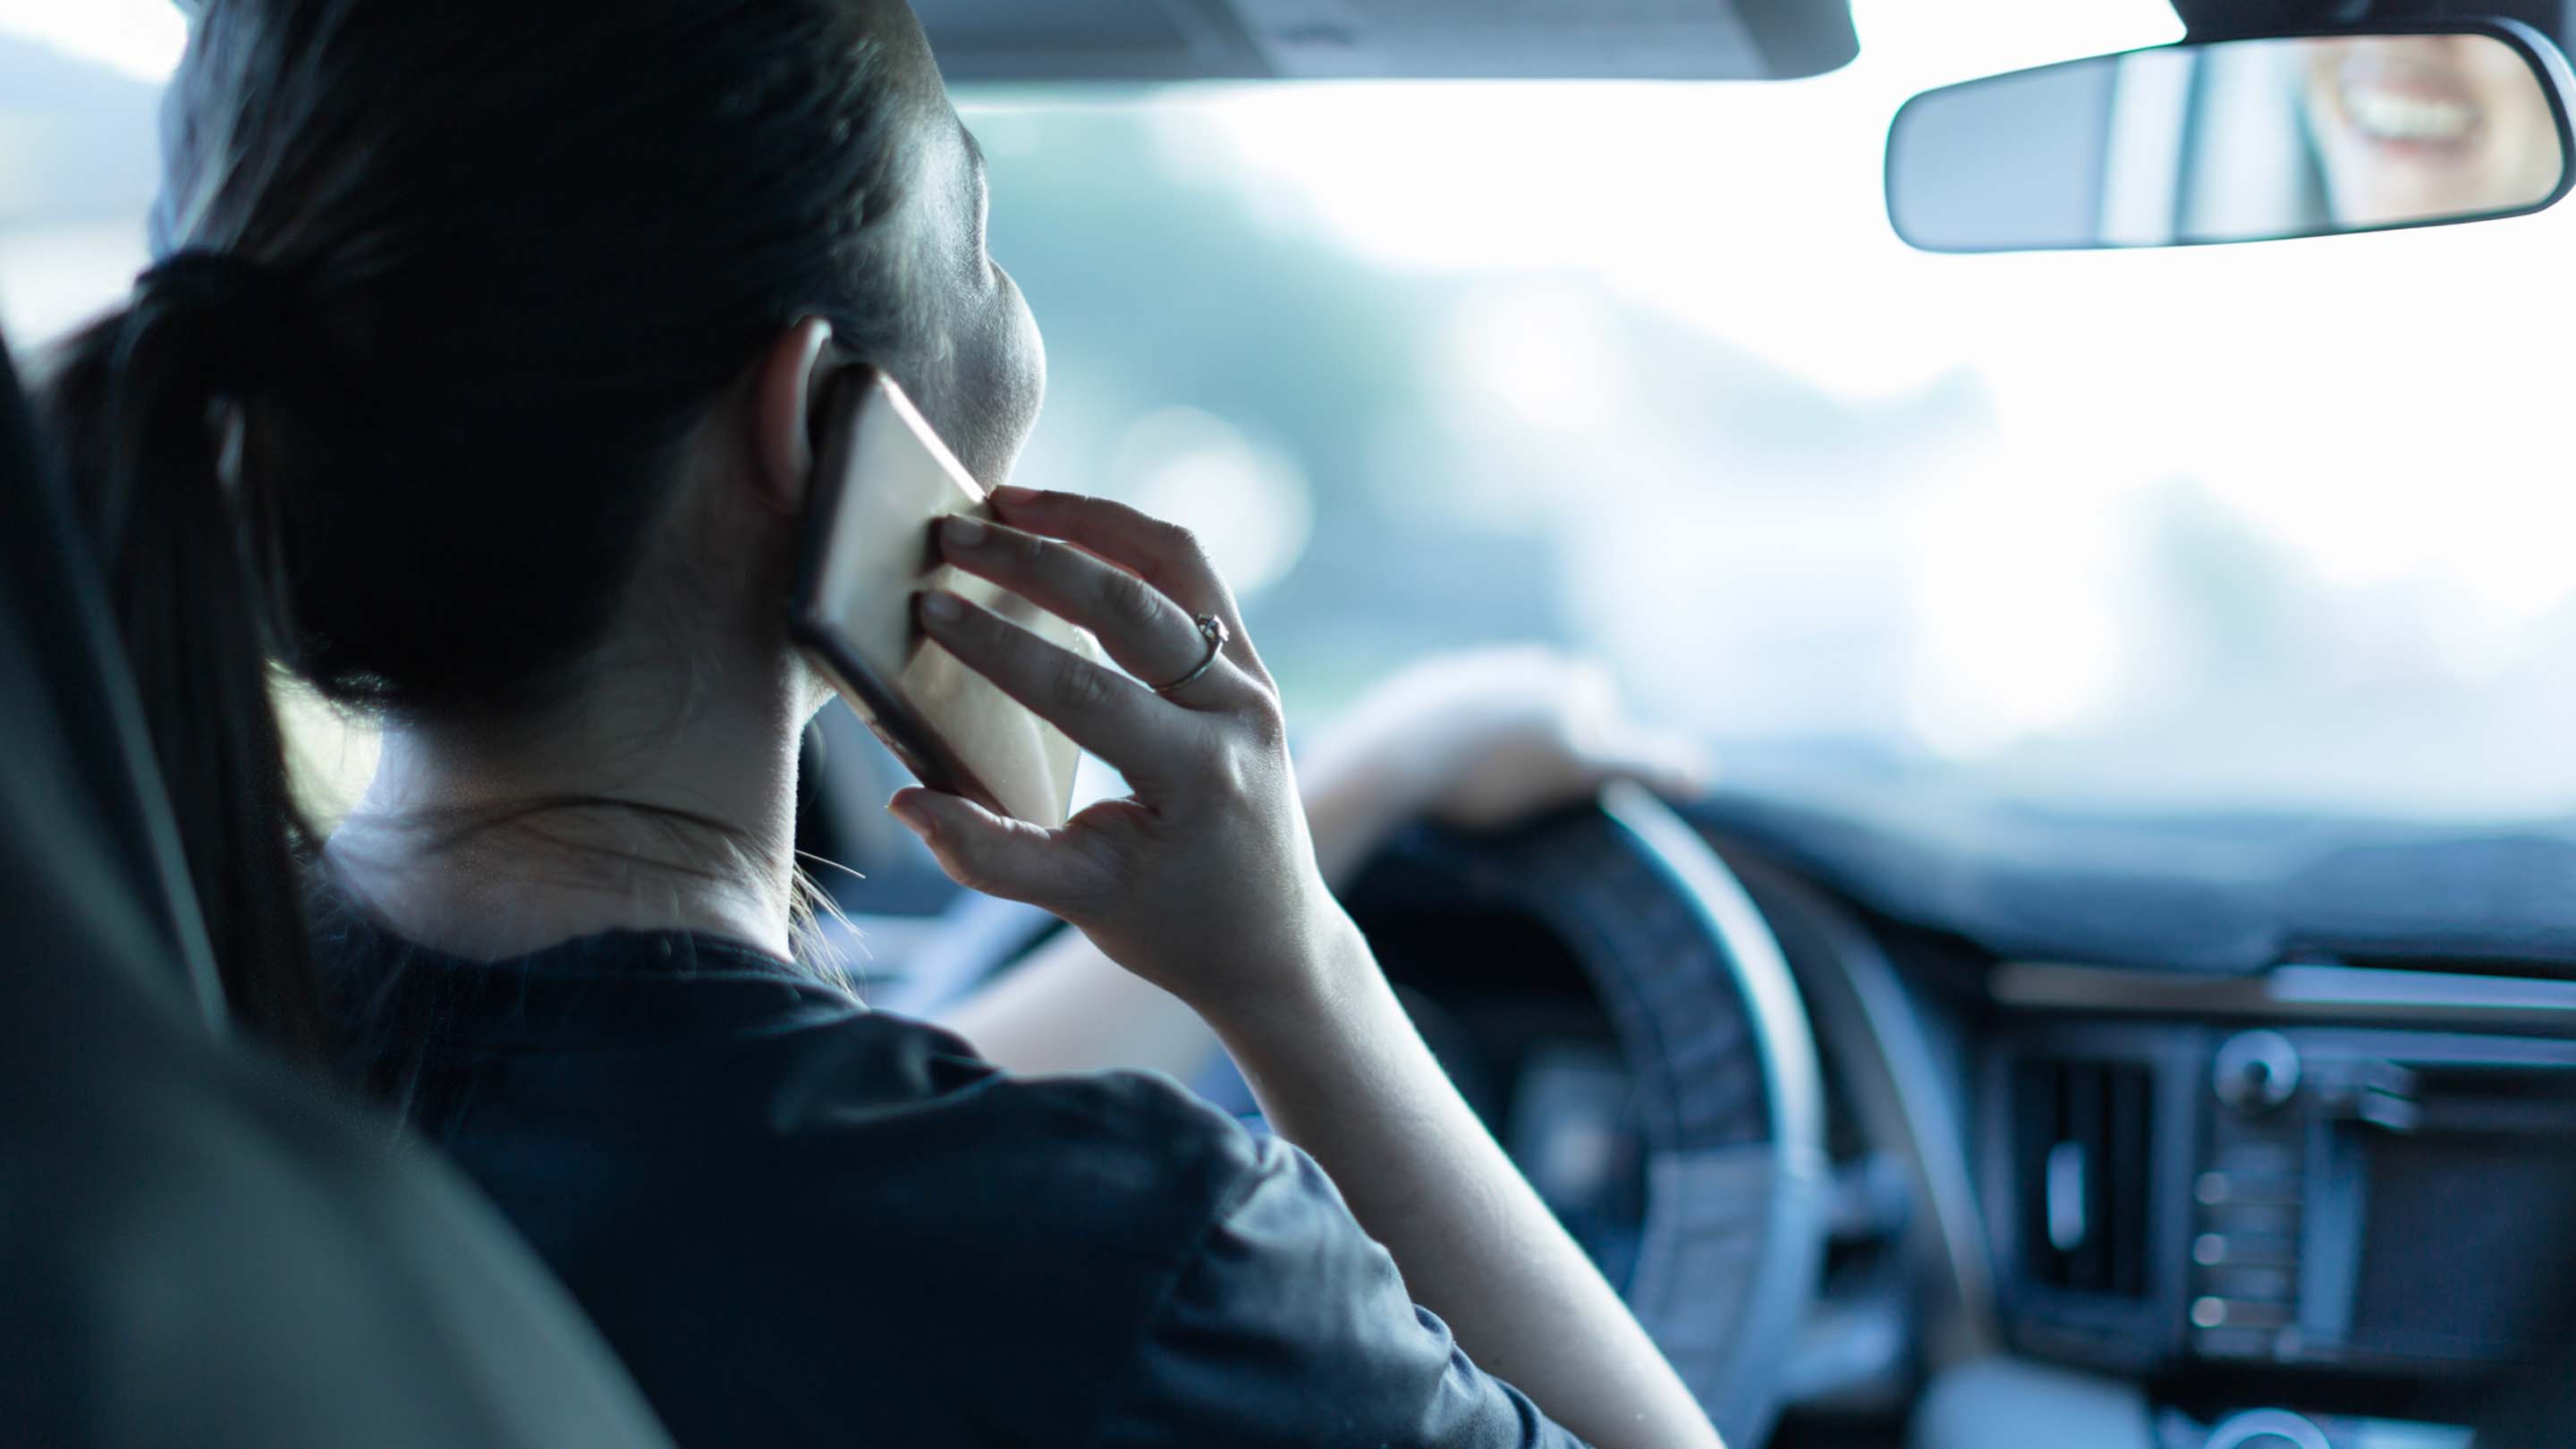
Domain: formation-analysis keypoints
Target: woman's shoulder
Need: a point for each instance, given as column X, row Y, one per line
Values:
column 1022, row 1214
column 711, row 1052
column 1096, row 1150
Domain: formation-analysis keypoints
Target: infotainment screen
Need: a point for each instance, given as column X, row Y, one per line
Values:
column 2468, row 1243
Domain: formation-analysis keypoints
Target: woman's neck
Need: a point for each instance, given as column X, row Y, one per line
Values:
column 616, row 814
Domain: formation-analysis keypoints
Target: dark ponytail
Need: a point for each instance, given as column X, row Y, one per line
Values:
column 444, row 290
column 191, row 552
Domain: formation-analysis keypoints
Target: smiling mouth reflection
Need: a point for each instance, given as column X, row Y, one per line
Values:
column 2407, row 105
column 2390, row 116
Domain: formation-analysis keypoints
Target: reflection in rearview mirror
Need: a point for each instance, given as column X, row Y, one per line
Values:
column 2241, row 140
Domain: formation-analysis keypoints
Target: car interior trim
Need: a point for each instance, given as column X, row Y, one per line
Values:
column 2297, row 991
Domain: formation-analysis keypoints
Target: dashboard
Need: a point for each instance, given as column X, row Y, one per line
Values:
column 2315, row 1205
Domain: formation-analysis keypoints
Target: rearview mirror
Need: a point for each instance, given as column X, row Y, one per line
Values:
column 2237, row 140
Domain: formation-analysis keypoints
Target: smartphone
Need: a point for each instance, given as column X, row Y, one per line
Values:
column 882, row 481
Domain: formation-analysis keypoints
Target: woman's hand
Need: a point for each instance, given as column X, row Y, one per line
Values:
column 1487, row 738
column 1480, row 740
column 1203, row 879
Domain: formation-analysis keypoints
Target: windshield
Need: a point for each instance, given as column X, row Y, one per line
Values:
column 1642, row 370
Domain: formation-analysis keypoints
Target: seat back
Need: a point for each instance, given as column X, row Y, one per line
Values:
column 199, row 1245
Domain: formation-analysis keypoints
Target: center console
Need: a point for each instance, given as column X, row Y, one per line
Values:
column 2267, row 1197
column 2403, row 1207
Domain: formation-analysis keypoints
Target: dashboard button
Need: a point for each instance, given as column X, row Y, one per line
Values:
column 2215, row 1189
column 2256, row 1071
column 2250, row 1250
column 2211, row 1311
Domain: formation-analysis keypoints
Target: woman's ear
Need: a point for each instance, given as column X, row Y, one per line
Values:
column 785, row 383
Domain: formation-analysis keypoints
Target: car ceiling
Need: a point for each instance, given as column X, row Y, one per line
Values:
column 1172, row 40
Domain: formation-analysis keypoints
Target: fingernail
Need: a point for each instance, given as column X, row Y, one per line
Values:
column 966, row 531
column 914, row 818
column 942, row 607
column 1012, row 493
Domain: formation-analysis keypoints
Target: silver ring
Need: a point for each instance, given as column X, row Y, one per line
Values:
column 1213, row 630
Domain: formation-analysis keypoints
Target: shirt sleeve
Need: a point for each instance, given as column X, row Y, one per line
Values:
column 1290, row 1326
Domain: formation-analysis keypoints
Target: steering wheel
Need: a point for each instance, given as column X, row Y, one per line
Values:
column 1723, row 1097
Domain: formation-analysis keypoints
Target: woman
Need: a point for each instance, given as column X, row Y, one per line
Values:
column 474, row 387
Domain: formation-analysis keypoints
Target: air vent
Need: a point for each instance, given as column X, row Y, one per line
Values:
column 2084, row 1140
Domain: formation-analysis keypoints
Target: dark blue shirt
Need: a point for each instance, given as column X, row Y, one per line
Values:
column 804, row 1223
